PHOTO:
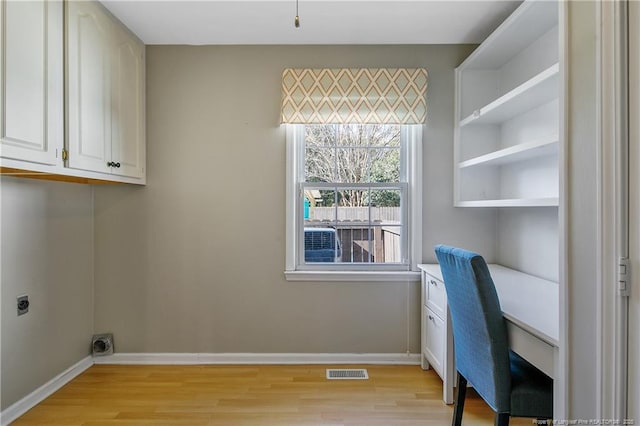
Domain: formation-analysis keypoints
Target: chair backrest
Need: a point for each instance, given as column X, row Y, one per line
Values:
column 479, row 329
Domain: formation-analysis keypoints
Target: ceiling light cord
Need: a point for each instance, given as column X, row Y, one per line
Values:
column 296, row 21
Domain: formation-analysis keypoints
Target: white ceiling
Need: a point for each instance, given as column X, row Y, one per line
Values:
column 322, row 21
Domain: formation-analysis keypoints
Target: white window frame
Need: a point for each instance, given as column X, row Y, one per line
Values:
column 411, row 139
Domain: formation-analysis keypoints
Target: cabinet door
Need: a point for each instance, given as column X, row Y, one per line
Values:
column 89, row 86
column 127, row 113
column 435, row 339
column 31, row 80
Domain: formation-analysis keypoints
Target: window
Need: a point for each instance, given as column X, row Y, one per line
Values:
column 353, row 200
column 353, row 172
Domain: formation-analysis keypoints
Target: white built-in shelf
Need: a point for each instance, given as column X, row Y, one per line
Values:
column 515, row 34
column 536, row 91
column 513, row 154
column 507, row 139
column 513, row 202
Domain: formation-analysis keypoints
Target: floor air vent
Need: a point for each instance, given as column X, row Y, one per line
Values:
column 347, row 374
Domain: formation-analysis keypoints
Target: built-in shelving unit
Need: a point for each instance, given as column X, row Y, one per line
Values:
column 508, row 147
column 507, row 104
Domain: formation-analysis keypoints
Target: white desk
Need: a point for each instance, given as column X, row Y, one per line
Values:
column 530, row 306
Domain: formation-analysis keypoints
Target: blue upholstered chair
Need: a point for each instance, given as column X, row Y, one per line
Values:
column 510, row 385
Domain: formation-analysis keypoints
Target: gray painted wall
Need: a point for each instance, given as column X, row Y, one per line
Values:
column 194, row 261
column 47, row 253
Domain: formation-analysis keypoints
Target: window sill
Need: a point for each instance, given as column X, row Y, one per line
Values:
column 354, row 276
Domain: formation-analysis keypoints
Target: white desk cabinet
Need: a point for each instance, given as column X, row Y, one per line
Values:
column 436, row 336
column 31, row 81
column 529, row 306
column 105, row 93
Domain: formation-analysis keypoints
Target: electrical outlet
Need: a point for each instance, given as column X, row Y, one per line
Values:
column 23, row 304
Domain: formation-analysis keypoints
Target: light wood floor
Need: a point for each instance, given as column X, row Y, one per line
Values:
column 254, row 396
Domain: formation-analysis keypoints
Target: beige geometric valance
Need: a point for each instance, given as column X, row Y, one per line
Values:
column 354, row 95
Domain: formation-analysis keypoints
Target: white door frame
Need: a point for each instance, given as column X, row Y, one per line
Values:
column 633, row 399
column 593, row 333
column 614, row 209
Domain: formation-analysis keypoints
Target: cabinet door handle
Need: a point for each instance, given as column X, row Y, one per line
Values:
column 117, row 165
column 431, row 317
column 110, row 164
column 434, row 283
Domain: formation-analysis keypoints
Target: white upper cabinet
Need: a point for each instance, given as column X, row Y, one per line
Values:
column 31, row 82
column 88, row 86
column 127, row 105
column 105, row 93
column 507, row 114
column 85, row 123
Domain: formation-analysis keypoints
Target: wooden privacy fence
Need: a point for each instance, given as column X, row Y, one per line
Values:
column 383, row 214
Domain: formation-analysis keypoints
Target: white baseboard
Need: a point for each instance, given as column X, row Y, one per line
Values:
column 20, row 407
column 257, row 358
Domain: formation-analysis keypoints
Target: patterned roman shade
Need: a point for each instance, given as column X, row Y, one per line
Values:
column 354, row 95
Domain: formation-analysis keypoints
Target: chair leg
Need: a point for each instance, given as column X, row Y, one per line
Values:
column 459, row 404
column 502, row 419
